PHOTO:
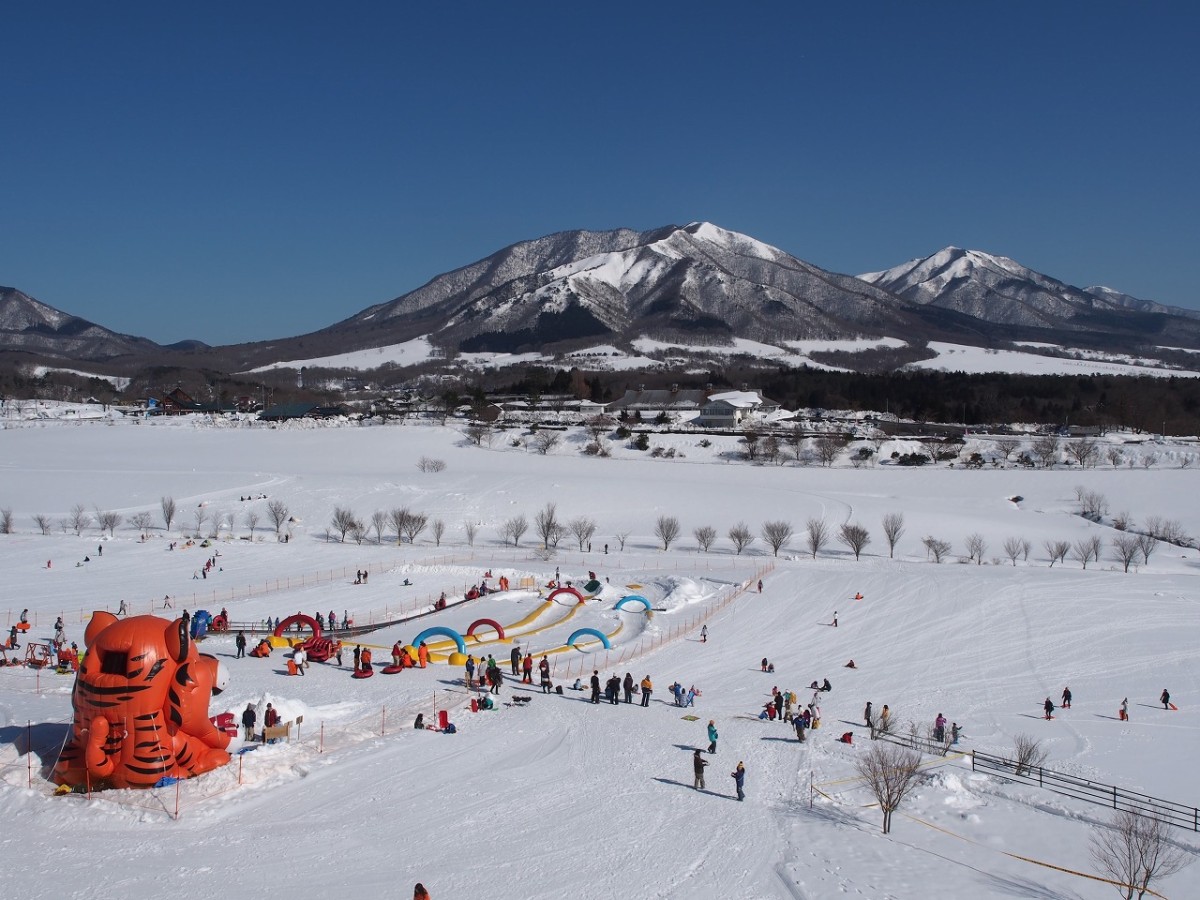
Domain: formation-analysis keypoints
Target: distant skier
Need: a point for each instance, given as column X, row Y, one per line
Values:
column 1048, row 707
column 1165, row 699
column 698, row 765
column 1066, row 698
column 712, row 736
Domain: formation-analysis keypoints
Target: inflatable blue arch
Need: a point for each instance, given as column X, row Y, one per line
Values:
column 600, row 635
column 444, row 632
column 633, row 598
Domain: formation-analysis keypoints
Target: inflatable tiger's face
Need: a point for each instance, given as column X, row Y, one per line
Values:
column 141, row 706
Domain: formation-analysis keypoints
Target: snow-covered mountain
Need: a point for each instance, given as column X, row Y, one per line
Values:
column 1000, row 291
column 698, row 280
column 33, row 327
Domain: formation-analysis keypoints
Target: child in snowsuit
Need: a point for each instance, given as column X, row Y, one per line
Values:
column 712, row 736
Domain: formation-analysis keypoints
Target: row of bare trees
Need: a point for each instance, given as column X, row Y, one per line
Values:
column 1126, row 549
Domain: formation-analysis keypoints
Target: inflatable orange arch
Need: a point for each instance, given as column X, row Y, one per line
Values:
column 490, row 622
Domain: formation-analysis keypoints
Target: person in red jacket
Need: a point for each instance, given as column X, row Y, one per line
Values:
column 527, row 669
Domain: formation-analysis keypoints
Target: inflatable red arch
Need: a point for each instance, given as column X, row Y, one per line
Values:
column 292, row 620
column 570, row 591
column 489, row 622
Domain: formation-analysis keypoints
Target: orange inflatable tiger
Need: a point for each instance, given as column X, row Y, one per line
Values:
column 141, row 706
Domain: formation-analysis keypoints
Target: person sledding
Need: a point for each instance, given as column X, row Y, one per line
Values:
column 1165, row 699
column 1048, row 708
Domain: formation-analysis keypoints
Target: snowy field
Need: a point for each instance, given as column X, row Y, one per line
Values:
column 561, row 798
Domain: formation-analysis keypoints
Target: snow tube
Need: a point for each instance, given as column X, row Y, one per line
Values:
column 303, row 620
column 492, row 622
column 633, row 598
column 570, row 592
column 444, row 632
column 362, row 673
column 392, row 670
column 599, row 635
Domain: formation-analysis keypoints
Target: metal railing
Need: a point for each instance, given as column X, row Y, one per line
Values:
column 1166, row 811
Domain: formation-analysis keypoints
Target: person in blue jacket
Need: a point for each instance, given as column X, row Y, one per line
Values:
column 739, row 778
column 712, row 736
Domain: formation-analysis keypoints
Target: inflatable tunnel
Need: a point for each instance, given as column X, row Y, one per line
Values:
column 292, row 620
column 590, row 632
column 491, row 623
column 633, row 598
column 443, row 632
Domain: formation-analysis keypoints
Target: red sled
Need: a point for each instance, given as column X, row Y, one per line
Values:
column 1173, row 706
column 1122, row 715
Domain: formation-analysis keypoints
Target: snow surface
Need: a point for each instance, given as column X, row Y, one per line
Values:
column 563, row 798
column 409, row 353
column 975, row 360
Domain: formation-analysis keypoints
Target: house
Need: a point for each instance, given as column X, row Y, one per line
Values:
column 283, row 412
column 651, row 403
column 731, row 409
column 179, row 402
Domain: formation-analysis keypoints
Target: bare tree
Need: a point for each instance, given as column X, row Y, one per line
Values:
column 976, row 547
column 1092, row 504
column 1028, row 754
column 217, row 518
column 1148, row 460
column 1057, row 550
column 855, row 537
column 893, row 529
column 519, row 525
column 1147, row 544
column 1115, row 456
column 79, row 519
column 253, row 517
column 1012, row 548
column 43, row 522
column 598, row 426
column 343, row 520
column 1121, row 521
column 705, row 535
column 546, row 523
column 1006, row 447
column 1086, row 549
column 471, row 528
column 772, row 452
column 776, row 534
column 199, row 517
column 1126, row 548
column 667, row 530
column 478, row 432
column 1169, row 530
column 890, row 771
column 621, row 537
column 828, row 447
column 278, row 513
column 6, row 521
column 379, row 522
column 936, row 548
column 505, row 530
column 167, row 505
column 141, row 520
column 750, row 441
column 1046, row 449
column 741, row 537
column 545, row 441
column 818, row 535
column 399, row 519
column 1135, row 851
column 1085, row 452
column 426, row 464
column 583, row 529
column 416, row 524
column 439, row 530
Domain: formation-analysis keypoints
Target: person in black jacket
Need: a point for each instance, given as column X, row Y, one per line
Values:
column 241, row 644
column 249, row 717
column 628, row 685
column 515, row 657
column 595, row 680
column 698, row 764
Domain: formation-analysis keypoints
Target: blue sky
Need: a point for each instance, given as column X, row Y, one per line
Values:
column 234, row 172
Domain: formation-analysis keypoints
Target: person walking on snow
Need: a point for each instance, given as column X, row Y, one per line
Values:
column 627, row 684
column 698, row 765
column 240, row 642
column 739, row 779
column 647, row 688
column 595, row 682
column 515, row 659
column 1048, row 706
column 867, row 715
column 1066, row 698
column 1125, row 710
column 527, row 668
column 1165, row 699
column 712, row 736
column 704, row 634
column 249, row 717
